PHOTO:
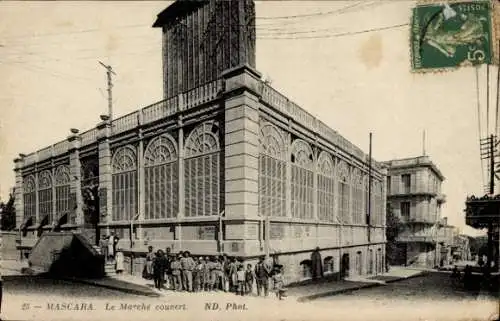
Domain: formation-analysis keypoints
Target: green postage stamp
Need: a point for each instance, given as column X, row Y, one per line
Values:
column 451, row 35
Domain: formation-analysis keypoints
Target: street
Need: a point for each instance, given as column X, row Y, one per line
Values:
column 429, row 297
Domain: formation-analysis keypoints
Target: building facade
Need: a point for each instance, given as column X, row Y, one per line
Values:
column 414, row 194
column 224, row 164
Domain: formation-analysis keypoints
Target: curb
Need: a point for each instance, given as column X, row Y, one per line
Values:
column 356, row 288
column 335, row 292
column 408, row 277
column 145, row 292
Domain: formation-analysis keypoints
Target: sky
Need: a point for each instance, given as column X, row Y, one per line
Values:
column 357, row 82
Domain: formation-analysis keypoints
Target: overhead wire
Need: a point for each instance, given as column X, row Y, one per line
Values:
column 308, row 15
column 323, row 14
column 342, row 34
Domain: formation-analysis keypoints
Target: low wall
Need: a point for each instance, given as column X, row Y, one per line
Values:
column 9, row 245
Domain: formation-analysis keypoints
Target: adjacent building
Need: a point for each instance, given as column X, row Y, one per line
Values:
column 414, row 194
column 223, row 164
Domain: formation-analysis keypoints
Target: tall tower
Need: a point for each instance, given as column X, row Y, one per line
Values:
column 203, row 38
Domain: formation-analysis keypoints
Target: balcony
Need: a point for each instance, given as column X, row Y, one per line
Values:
column 413, row 191
column 417, row 239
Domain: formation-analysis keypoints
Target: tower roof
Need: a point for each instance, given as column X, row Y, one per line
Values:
column 176, row 9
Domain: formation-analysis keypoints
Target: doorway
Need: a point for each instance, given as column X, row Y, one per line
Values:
column 359, row 263
column 344, row 265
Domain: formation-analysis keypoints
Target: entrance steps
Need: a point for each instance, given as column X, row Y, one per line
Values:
column 110, row 269
column 66, row 254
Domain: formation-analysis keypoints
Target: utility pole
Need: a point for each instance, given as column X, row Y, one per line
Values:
column 492, row 164
column 423, row 143
column 109, row 72
column 492, row 191
column 369, row 214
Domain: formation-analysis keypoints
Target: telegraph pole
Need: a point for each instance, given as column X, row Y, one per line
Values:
column 369, row 214
column 109, row 72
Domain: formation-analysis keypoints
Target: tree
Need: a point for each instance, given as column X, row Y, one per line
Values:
column 394, row 226
column 8, row 214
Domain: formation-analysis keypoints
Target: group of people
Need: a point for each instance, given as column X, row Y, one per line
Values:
column 108, row 246
column 182, row 272
column 468, row 281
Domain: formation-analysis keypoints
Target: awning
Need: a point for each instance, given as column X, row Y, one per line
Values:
column 42, row 223
column 63, row 219
column 306, row 262
column 328, row 258
column 27, row 222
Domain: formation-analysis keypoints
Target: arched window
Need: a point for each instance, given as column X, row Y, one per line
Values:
column 29, row 197
column 343, row 191
column 358, row 209
column 329, row 264
column 377, row 203
column 326, row 188
column 45, row 195
column 302, row 180
column 62, row 183
column 272, row 172
column 202, row 171
column 124, row 164
column 161, row 169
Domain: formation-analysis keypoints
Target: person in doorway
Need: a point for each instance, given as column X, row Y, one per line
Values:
column 115, row 244
column 103, row 245
column 316, row 264
column 187, row 266
column 111, row 246
column 262, row 275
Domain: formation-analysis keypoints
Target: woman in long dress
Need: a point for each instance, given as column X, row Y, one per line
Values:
column 111, row 247
column 120, row 262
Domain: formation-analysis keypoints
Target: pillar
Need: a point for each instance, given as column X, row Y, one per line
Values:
column 37, row 197
column 105, row 171
column 54, row 198
column 241, row 152
column 141, row 179
column 18, row 191
column 315, row 188
column 75, row 187
column 180, row 155
column 288, row 185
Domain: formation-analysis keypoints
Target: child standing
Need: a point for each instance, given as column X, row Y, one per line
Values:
column 198, row 275
column 249, row 278
column 279, row 283
column 175, row 266
column 240, row 279
column 206, row 274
